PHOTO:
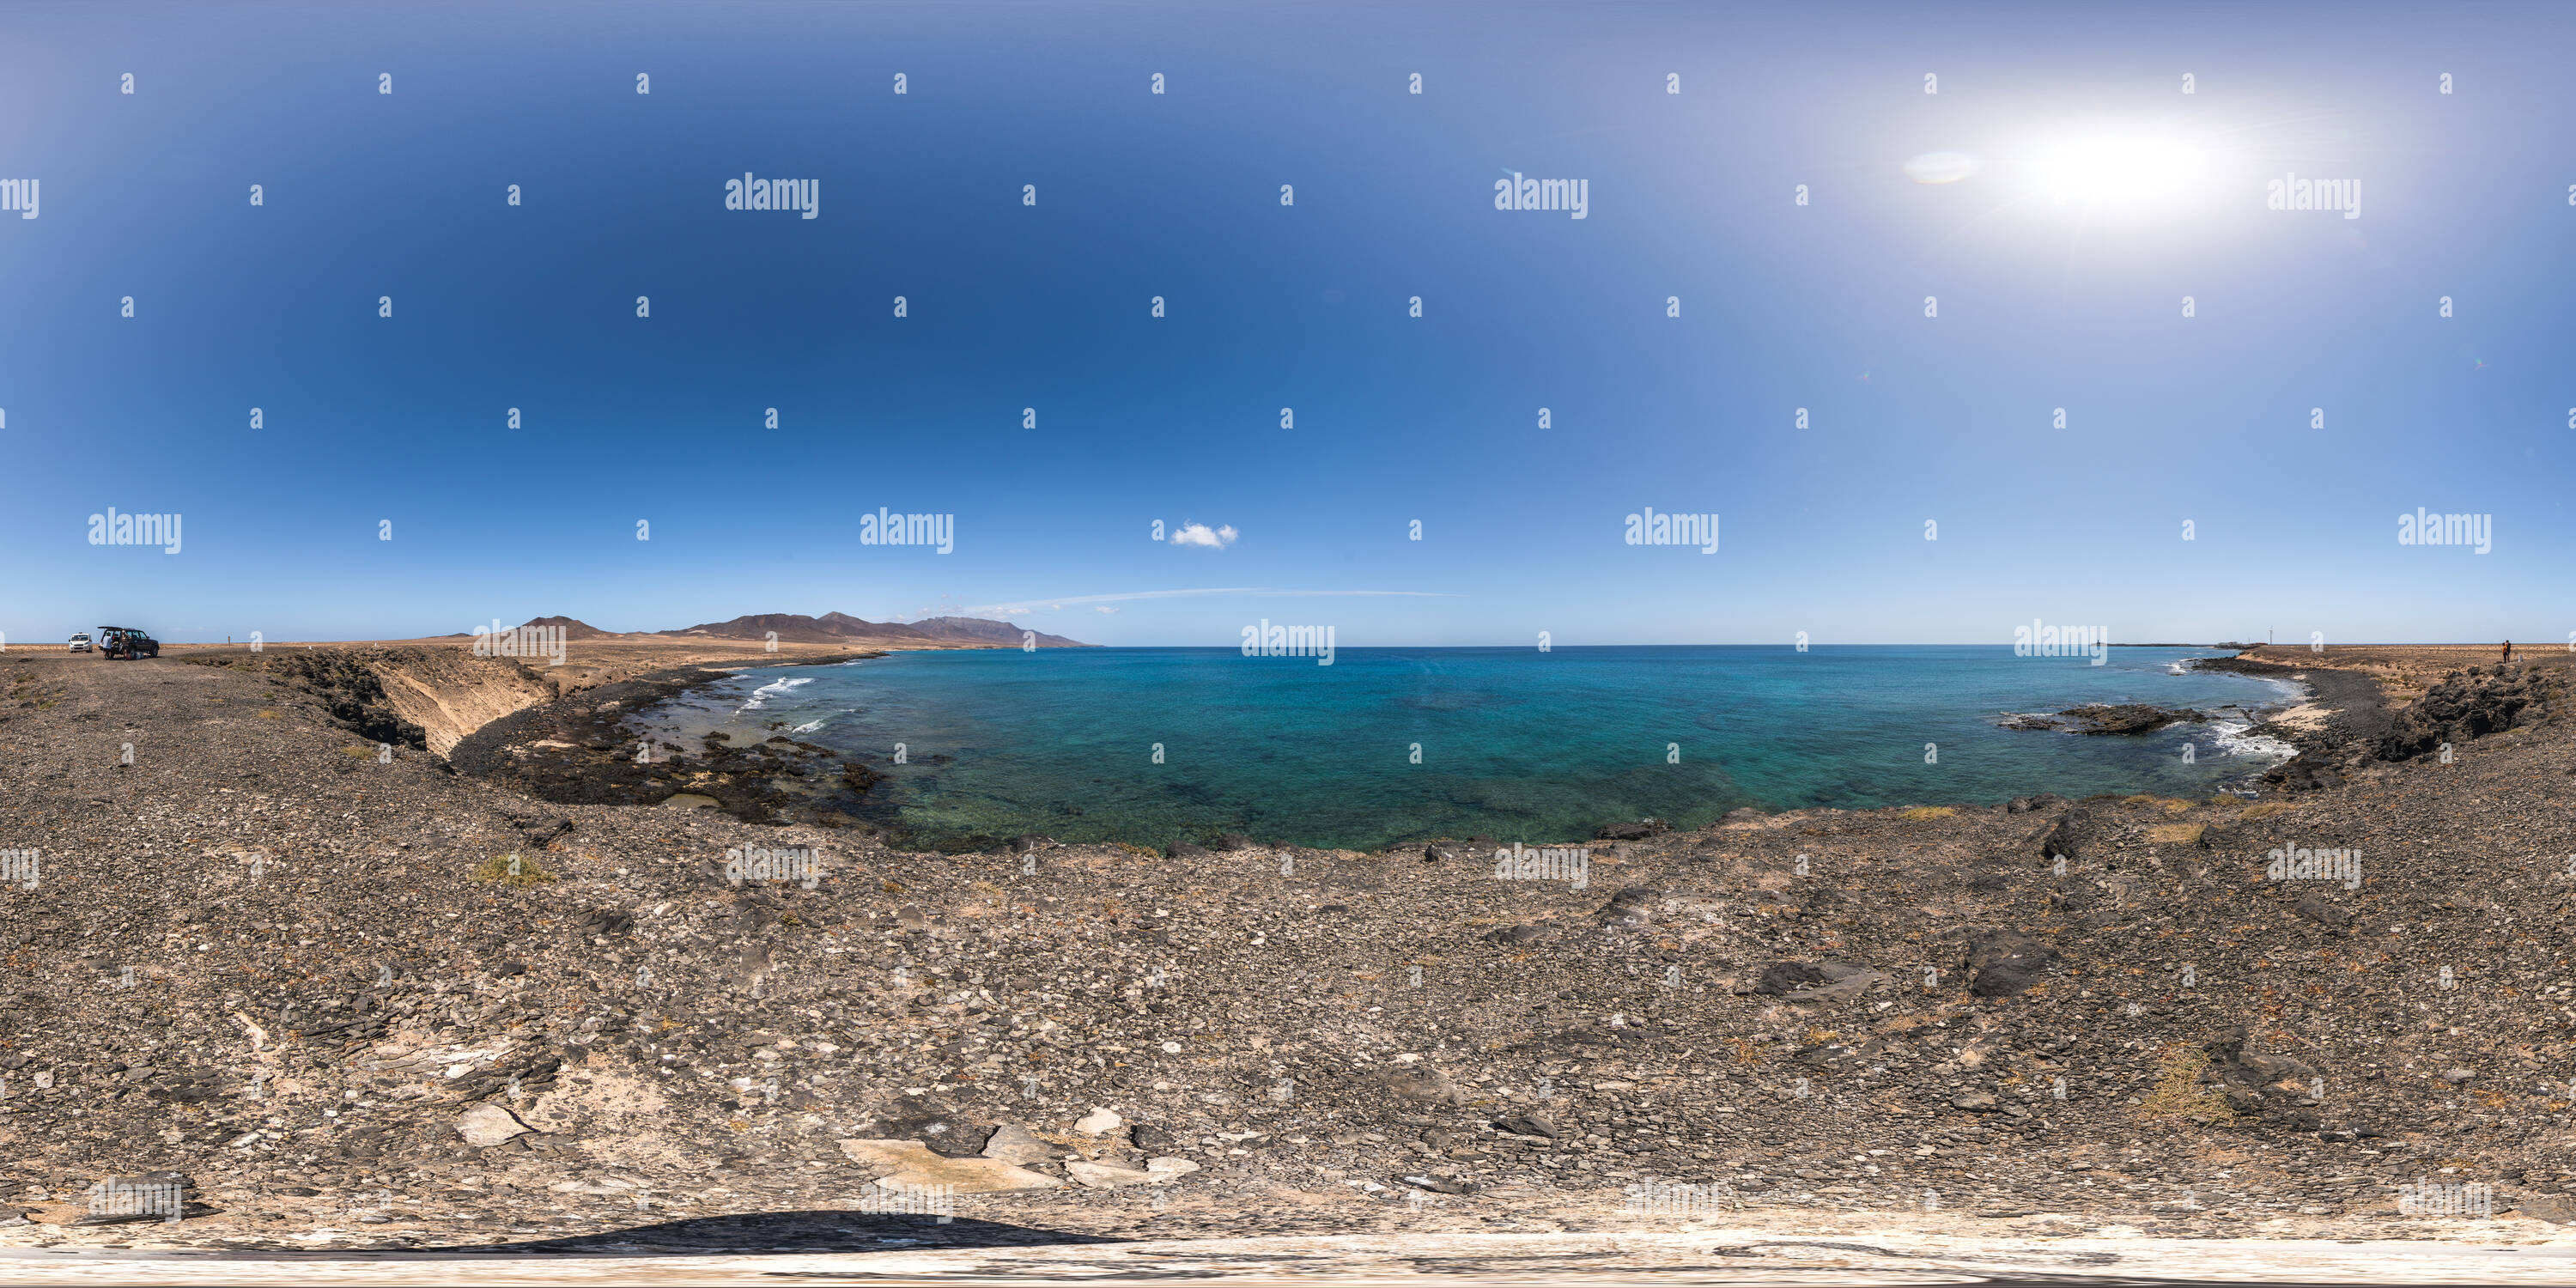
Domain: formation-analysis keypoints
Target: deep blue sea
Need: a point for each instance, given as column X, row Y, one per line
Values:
column 1390, row 745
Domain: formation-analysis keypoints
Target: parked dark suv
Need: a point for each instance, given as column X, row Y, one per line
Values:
column 126, row 642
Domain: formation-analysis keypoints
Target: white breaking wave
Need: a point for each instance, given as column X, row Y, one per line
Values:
column 807, row 728
column 2233, row 740
column 760, row 696
column 2174, row 668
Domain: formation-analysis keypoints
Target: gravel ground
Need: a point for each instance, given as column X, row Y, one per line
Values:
column 358, row 998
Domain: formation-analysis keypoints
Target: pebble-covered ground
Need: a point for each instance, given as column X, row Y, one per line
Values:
column 354, row 997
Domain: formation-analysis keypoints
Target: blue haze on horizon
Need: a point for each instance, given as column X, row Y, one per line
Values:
column 2042, row 306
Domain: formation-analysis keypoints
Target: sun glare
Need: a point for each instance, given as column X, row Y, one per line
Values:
column 2117, row 171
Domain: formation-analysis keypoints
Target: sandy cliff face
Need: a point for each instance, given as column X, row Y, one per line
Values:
column 413, row 696
column 434, row 696
column 450, row 693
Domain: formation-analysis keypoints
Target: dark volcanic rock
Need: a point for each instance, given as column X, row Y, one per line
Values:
column 2557, row 1209
column 2002, row 963
column 1637, row 831
column 2304, row 773
column 2321, row 910
column 2250, row 1079
column 1422, row 1084
column 2470, row 704
column 2088, row 831
column 1823, row 981
column 1631, row 907
column 348, row 688
column 1782, row 977
column 1539, row 1125
column 2227, row 836
column 2129, row 717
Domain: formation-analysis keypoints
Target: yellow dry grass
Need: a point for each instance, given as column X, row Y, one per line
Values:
column 2178, row 1093
column 518, row 871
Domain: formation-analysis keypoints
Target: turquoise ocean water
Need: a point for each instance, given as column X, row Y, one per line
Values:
column 1513, row 743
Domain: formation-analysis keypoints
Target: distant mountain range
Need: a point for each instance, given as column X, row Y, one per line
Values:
column 830, row 628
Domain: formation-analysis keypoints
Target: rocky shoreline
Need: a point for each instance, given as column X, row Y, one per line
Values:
column 2099, row 718
column 356, row 997
column 577, row 751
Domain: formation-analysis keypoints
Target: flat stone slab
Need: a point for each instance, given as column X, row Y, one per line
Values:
column 488, row 1124
column 909, row 1162
column 1101, row 1176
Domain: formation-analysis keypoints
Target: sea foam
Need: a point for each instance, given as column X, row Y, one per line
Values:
column 2233, row 740
column 760, row 696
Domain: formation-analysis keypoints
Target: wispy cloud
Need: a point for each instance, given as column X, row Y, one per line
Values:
column 1022, row 606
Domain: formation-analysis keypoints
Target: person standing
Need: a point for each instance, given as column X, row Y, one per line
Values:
column 2508, row 650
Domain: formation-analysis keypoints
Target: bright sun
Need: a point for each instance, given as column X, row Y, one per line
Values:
column 2117, row 171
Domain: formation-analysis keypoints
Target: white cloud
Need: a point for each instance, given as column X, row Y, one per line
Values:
column 1103, row 608
column 1200, row 534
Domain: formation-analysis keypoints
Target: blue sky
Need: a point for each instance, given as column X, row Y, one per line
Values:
column 2102, row 196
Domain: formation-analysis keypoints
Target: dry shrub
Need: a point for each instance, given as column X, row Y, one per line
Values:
column 517, row 871
column 2178, row 1093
